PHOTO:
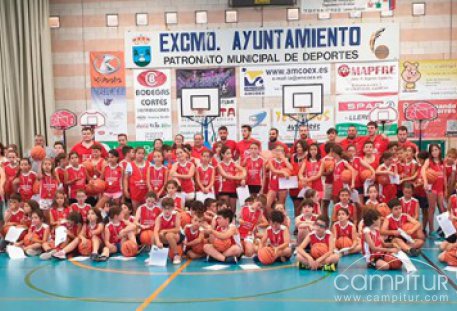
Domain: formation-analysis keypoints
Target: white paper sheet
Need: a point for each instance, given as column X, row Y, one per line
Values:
column 355, row 196
column 122, row 258
column 158, row 257
column 79, row 258
column 14, row 233
column 450, row 268
column 243, row 194
column 15, row 252
column 445, row 224
column 61, row 235
column 200, row 196
column 250, row 266
column 288, row 182
column 302, row 192
column 216, row 267
column 407, row 263
column 366, row 185
column 395, row 180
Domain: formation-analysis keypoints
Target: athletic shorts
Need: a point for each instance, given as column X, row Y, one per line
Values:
column 114, row 196
column 254, row 189
column 328, row 192
column 181, row 239
column 423, row 202
column 189, row 196
column 232, row 195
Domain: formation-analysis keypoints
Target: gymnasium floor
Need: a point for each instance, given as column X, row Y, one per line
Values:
column 130, row 285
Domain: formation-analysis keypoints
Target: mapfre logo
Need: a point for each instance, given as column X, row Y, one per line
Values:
column 343, row 71
column 152, row 78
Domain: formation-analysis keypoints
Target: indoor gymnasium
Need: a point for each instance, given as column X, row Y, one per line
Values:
column 228, row 155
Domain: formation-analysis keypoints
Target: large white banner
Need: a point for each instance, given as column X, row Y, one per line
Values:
column 344, row 6
column 317, row 126
column 228, row 117
column 152, row 104
column 268, row 81
column 262, row 46
column 363, row 78
column 260, row 121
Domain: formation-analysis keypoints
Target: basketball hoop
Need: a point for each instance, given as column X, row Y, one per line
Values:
column 420, row 112
column 63, row 120
column 384, row 113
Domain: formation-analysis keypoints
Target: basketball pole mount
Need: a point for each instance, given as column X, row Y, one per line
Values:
column 205, row 123
column 304, row 120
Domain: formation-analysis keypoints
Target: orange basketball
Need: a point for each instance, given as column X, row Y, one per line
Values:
column 432, row 176
column 266, row 255
column 329, row 166
column 383, row 209
column 147, row 237
column 129, row 249
column 90, row 168
column 408, row 227
column 27, row 242
column 394, row 263
column 222, row 245
column 95, row 187
column 318, row 250
column 36, row 187
column 343, row 242
column 383, row 179
column 38, row 153
column 450, row 258
column 85, row 250
column 346, row 176
column 198, row 248
column 185, row 218
column 365, row 174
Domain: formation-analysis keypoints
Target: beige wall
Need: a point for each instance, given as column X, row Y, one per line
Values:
column 433, row 36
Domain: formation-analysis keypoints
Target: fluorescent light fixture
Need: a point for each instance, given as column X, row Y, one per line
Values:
column 324, row 15
column 112, row 20
column 142, row 19
column 231, row 16
column 201, row 17
column 171, row 18
column 355, row 14
column 54, row 22
column 293, row 14
column 418, row 9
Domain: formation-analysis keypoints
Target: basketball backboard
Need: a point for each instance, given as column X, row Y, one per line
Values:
column 200, row 102
column 421, row 111
column 302, row 99
column 384, row 113
column 92, row 118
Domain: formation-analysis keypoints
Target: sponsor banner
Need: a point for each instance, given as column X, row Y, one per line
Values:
column 432, row 79
column 108, row 93
column 268, row 81
column 147, row 145
column 223, row 78
column 358, row 110
column 262, row 46
column 260, row 121
column 363, row 78
column 317, row 126
column 444, row 125
column 346, row 6
column 152, row 104
column 228, row 117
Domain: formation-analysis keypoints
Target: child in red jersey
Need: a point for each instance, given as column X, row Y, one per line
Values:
column 344, row 228
column 94, row 166
column 359, row 165
column 48, row 185
column 320, row 235
column 129, row 156
column 223, row 244
column 117, row 231
column 157, row 175
column 81, row 206
column 167, row 229
column 436, row 190
column 231, row 175
column 277, row 206
column 419, row 191
column 410, row 205
column 74, row 227
column 254, row 165
column 205, row 175
column 340, row 166
column 127, row 213
column 251, row 216
column 194, row 236
column 313, row 195
column 75, row 176
column 59, row 210
column 14, row 214
column 450, row 167
column 37, row 235
column 277, row 236
column 183, row 171
column 311, row 170
column 25, row 178
column 452, row 208
column 378, row 254
column 278, row 167
column 93, row 231
column 369, row 156
column 304, row 222
column 390, row 169
column 345, row 202
column 61, row 162
column 408, row 167
column 135, row 184
column 394, row 228
column 113, row 175
column 11, row 169
column 297, row 159
column 147, row 214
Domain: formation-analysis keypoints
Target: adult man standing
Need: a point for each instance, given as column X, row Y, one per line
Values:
column 303, row 134
column 222, row 132
column 274, row 142
column 198, row 147
column 244, row 144
column 380, row 141
column 402, row 136
column 83, row 148
column 352, row 139
column 122, row 140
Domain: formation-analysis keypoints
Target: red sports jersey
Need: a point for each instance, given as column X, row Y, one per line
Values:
column 96, row 166
column 313, row 218
column 59, row 214
column 39, row 231
column 89, row 229
column 148, row 215
column 328, row 178
column 397, row 223
column 85, row 153
column 205, row 174
column 254, row 170
column 448, row 169
column 229, row 143
column 375, row 236
column 228, row 185
column 168, row 223
column 83, row 210
column 407, row 169
column 26, row 182
column 190, row 234
column 10, row 174
column 187, row 185
column 73, row 228
column 196, row 153
column 221, row 229
column 409, row 206
column 453, row 204
column 337, row 182
column 312, row 169
column 349, row 206
column 113, row 178
column 78, row 173
column 419, row 190
column 276, row 237
column 17, row 216
column 48, row 187
column 243, row 146
column 343, row 231
column 157, row 177
column 357, row 165
column 374, row 164
column 389, row 191
column 274, row 178
column 250, row 218
column 345, row 143
column 314, row 238
column 114, row 230
column 438, row 185
column 379, row 144
column 137, row 181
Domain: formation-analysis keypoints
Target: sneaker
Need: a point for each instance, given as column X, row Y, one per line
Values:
column 60, row 255
column 256, row 259
column 414, row 252
column 210, row 259
column 33, row 252
column 231, row 259
column 302, row 266
column 3, row 245
column 177, row 260
column 94, row 256
column 329, row 268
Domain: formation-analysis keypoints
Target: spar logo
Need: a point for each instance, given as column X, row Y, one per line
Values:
column 152, row 78
column 343, row 71
column 253, row 82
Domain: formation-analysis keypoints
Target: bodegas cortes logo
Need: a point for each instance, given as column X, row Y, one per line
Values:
column 152, row 78
column 141, row 50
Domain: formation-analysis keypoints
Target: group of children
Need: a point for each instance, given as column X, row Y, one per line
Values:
column 109, row 206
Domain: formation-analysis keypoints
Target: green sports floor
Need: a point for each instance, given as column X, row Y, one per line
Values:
column 31, row 284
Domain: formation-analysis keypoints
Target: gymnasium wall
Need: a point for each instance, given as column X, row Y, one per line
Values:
column 83, row 29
